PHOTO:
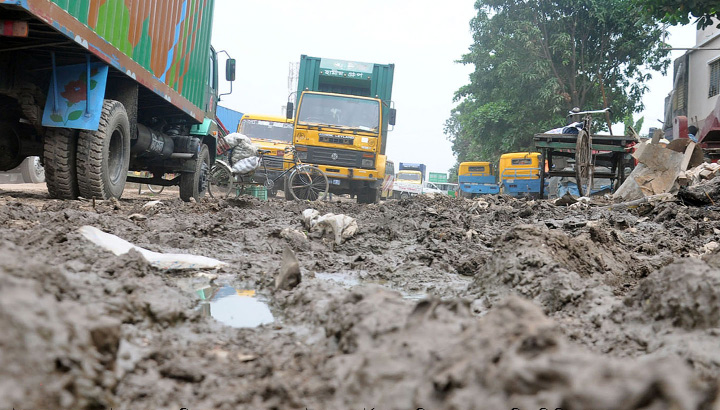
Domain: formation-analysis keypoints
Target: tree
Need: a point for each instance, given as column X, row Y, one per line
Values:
column 676, row 12
column 537, row 59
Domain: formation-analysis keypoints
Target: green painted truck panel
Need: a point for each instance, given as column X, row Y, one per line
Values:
column 348, row 77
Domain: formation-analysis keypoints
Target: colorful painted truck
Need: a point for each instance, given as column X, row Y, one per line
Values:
column 100, row 87
column 343, row 114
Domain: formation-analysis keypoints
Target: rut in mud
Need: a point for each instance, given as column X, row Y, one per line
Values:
column 434, row 303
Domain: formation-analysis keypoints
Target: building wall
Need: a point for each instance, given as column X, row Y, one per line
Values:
column 699, row 103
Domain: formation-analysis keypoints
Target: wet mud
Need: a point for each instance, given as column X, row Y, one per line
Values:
column 435, row 303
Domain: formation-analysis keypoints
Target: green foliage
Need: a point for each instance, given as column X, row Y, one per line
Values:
column 674, row 12
column 637, row 126
column 537, row 59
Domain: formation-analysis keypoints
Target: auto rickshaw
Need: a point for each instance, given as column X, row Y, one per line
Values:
column 520, row 173
column 477, row 178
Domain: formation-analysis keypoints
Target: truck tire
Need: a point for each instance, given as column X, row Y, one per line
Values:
column 194, row 184
column 59, row 159
column 32, row 170
column 103, row 156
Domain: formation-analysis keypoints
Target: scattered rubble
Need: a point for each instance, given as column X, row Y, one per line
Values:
column 508, row 302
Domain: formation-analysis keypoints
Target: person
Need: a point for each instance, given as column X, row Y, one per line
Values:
column 692, row 133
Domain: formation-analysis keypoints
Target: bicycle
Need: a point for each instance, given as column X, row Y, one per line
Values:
column 584, row 163
column 303, row 181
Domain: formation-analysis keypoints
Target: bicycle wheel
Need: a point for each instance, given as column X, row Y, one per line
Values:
column 583, row 163
column 220, row 183
column 156, row 189
column 308, row 183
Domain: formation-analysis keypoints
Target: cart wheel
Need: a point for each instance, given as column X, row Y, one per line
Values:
column 221, row 180
column 308, row 183
column 583, row 163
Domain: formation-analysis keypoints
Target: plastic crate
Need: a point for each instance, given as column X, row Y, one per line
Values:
column 258, row 191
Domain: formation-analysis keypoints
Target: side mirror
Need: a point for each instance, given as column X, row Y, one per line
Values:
column 289, row 111
column 393, row 116
column 230, row 69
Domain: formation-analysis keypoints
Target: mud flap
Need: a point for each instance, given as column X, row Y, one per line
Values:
column 73, row 100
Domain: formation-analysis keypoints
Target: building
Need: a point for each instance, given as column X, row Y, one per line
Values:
column 696, row 87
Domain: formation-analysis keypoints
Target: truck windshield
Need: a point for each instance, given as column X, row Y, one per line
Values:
column 269, row 130
column 339, row 111
column 407, row 177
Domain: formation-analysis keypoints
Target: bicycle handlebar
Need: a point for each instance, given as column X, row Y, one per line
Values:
column 604, row 110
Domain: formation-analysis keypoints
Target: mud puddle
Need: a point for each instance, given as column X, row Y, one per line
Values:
column 234, row 307
column 351, row 280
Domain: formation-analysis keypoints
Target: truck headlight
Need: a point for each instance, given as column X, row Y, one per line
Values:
column 367, row 163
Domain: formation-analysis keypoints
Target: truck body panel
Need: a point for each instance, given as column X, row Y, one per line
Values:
column 161, row 45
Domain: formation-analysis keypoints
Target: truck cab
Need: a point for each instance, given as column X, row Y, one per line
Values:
column 274, row 134
column 341, row 123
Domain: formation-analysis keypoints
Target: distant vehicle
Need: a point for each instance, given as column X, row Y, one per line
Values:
column 520, row 173
column 420, row 168
column 344, row 111
column 449, row 188
column 430, row 188
column 274, row 134
column 30, row 170
column 477, row 178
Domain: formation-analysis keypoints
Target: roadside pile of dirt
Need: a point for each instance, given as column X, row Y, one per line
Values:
column 433, row 303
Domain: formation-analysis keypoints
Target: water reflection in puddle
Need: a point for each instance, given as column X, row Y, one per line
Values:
column 234, row 307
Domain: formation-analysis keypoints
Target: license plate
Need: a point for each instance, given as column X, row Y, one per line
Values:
column 335, row 181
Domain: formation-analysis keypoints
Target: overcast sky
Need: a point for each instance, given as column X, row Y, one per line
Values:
column 422, row 38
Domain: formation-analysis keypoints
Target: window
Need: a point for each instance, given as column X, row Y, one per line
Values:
column 476, row 169
column 714, row 78
column 521, row 161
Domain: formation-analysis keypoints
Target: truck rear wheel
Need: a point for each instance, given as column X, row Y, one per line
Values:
column 103, row 156
column 60, row 154
column 368, row 196
column 194, row 184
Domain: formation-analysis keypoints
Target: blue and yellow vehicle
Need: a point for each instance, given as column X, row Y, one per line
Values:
column 477, row 178
column 520, row 173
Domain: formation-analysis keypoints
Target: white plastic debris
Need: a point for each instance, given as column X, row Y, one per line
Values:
column 341, row 226
column 151, row 204
column 170, row 261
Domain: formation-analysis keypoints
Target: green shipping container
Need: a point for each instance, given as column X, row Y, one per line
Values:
column 348, row 77
column 438, row 177
column 164, row 45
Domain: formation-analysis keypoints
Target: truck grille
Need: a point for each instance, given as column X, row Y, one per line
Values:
column 273, row 163
column 337, row 139
column 335, row 156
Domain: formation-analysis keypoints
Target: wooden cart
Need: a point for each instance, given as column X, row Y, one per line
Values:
column 589, row 152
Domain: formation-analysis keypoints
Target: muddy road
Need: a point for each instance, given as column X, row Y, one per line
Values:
column 434, row 303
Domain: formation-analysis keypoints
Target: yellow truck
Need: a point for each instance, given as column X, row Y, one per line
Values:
column 272, row 133
column 341, row 125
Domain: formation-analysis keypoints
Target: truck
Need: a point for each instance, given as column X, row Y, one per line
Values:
column 409, row 180
column 344, row 110
column 97, row 89
column 274, row 134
